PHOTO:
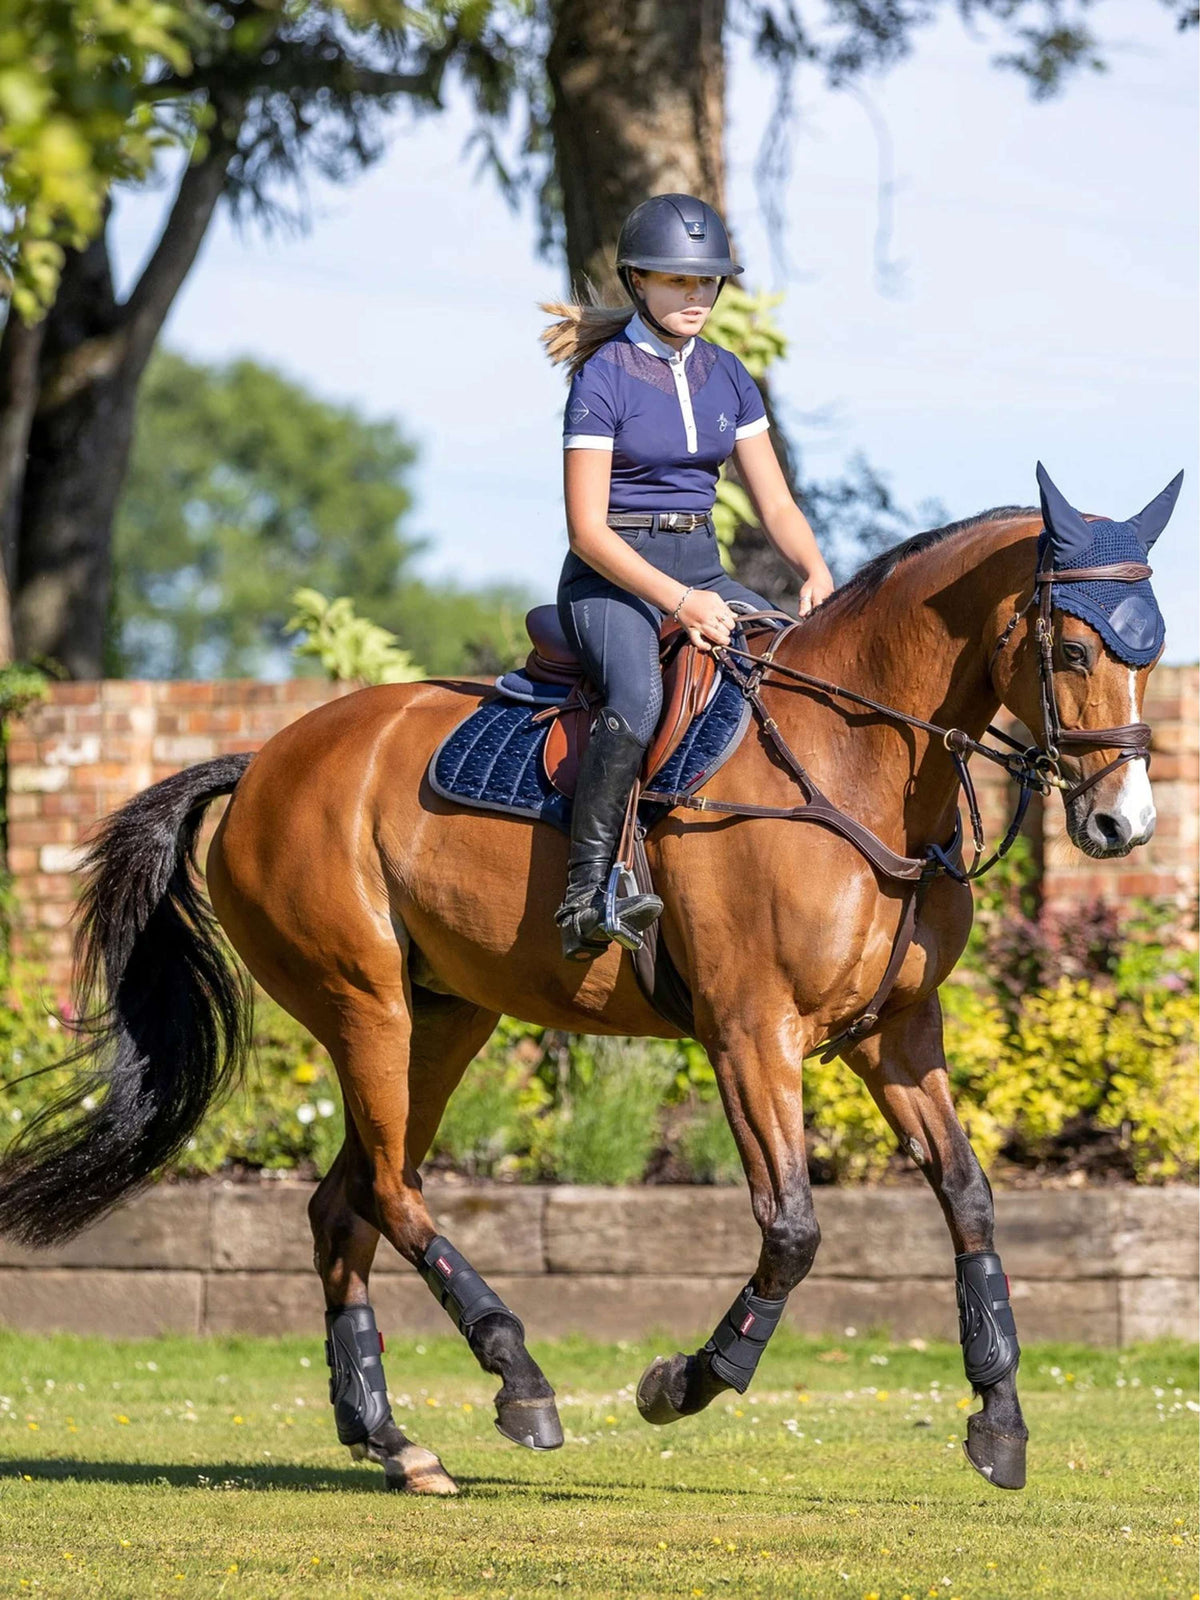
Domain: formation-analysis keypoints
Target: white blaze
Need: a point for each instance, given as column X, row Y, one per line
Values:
column 1134, row 802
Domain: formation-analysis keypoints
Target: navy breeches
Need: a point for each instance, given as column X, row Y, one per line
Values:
column 616, row 634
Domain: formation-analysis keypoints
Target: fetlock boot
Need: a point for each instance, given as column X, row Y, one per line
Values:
column 607, row 772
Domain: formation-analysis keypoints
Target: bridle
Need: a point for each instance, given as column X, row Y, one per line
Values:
column 1035, row 768
column 1132, row 740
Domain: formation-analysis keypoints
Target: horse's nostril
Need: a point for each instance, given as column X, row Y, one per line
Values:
column 1111, row 829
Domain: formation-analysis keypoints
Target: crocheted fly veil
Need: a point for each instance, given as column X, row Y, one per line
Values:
column 1125, row 615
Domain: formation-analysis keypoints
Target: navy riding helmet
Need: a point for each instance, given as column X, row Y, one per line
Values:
column 673, row 233
column 1125, row 615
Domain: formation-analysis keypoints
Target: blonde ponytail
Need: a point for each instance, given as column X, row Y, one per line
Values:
column 580, row 330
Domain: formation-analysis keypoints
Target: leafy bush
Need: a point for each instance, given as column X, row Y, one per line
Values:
column 605, row 1125
column 707, row 1147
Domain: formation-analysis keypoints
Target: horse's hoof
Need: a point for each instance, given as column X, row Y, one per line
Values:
column 413, row 1470
column 998, row 1457
column 532, row 1423
column 653, row 1401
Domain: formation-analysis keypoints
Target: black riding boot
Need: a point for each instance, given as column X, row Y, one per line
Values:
column 607, row 772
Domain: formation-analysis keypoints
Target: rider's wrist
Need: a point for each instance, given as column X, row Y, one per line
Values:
column 680, row 603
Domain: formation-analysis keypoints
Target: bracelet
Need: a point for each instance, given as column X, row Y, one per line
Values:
column 682, row 598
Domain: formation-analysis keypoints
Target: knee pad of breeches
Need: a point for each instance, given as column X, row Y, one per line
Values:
column 986, row 1328
column 459, row 1289
column 741, row 1336
column 357, row 1389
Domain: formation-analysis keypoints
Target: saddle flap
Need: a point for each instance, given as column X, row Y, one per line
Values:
column 688, row 679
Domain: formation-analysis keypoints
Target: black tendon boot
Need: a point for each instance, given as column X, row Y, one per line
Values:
column 606, row 776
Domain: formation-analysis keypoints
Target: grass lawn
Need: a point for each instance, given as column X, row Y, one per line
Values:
column 210, row 1468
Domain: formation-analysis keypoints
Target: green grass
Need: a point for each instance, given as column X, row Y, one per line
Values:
column 209, row 1468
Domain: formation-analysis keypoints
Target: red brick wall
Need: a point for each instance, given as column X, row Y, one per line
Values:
column 90, row 746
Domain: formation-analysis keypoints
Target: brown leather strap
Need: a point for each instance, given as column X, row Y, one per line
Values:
column 866, row 1020
column 1115, row 572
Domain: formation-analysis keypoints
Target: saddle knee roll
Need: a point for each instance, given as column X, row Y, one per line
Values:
column 986, row 1328
column 357, row 1387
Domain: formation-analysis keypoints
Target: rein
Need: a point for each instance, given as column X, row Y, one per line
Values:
column 1036, row 769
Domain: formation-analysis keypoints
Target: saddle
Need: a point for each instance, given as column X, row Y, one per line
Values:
column 689, row 681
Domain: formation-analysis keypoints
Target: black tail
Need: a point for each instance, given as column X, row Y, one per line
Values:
column 164, row 1017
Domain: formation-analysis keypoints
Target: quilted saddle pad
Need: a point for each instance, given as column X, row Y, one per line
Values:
column 492, row 761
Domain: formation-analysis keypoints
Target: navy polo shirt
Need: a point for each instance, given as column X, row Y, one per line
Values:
column 669, row 417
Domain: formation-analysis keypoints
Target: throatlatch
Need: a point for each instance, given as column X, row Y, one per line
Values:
column 741, row 1337
column 985, row 1321
column 459, row 1289
column 357, row 1389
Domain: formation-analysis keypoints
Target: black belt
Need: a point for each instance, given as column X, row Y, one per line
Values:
column 664, row 521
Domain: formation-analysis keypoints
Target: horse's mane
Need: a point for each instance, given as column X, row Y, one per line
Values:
column 869, row 577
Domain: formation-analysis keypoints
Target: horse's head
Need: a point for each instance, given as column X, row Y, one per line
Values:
column 1078, row 677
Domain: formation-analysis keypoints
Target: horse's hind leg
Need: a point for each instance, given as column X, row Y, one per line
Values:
column 904, row 1067
column 344, row 1248
column 398, row 1063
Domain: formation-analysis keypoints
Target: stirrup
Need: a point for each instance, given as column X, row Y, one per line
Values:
column 624, row 922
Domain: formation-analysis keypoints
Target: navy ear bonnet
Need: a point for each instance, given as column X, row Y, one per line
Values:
column 1125, row 615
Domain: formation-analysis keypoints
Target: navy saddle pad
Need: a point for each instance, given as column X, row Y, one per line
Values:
column 493, row 760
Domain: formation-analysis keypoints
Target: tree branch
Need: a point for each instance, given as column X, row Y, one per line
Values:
column 199, row 190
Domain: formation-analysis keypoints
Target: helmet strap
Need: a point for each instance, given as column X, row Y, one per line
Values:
column 643, row 310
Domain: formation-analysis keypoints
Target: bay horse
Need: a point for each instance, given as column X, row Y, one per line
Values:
column 398, row 927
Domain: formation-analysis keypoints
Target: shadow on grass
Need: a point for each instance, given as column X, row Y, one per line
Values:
column 228, row 1475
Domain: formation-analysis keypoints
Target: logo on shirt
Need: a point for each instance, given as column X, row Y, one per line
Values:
column 723, row 422
column 578, row 411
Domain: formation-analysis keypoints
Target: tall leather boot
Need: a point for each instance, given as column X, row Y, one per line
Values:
column 606, row 776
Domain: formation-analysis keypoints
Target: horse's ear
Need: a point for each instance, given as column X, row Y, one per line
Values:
column 1149, row 523
column 1069, row 533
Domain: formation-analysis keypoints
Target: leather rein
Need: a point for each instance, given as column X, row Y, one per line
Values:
column 1035, row 768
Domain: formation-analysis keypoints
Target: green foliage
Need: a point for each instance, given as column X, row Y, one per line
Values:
column 742, row 322
column 605, row 1126
column 349, row 648
column 707, row 1147
column 21, row 686
column 70, row 124
column 243, row 487
column 491, row 1117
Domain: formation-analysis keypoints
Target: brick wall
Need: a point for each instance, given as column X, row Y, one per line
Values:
column 90, row 746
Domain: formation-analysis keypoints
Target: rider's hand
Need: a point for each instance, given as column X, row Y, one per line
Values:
column 707, row 619
column 817, row 586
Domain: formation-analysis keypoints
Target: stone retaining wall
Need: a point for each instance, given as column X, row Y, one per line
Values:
column 1104, row 1266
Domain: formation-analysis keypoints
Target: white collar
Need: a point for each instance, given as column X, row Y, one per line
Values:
column 639, row 334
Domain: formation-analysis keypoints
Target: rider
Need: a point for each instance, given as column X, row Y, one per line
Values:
column 652, row 413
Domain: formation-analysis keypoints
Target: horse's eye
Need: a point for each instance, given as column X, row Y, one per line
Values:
column 1075, row 654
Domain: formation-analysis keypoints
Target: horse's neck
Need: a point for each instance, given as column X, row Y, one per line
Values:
column 921, row 644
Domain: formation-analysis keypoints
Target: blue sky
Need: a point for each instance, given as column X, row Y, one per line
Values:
column 1047, row 256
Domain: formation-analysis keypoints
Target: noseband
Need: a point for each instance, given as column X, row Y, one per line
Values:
column 1132, row 740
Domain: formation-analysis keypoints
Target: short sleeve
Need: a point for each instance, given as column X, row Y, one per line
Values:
column 752, row 414
column 590, row 421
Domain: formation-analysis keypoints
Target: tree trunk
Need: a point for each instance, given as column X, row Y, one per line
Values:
column 20, row 350
column 638, row 91
column 638, row 109
column 92, row 354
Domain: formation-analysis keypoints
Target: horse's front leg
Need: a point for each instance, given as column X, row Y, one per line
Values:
column 904, row 1067
column 758, row 1070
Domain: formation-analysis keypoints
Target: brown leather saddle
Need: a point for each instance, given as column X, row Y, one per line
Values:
column 689, row 676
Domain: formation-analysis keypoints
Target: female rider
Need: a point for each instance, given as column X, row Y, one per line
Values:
column 652, row 413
